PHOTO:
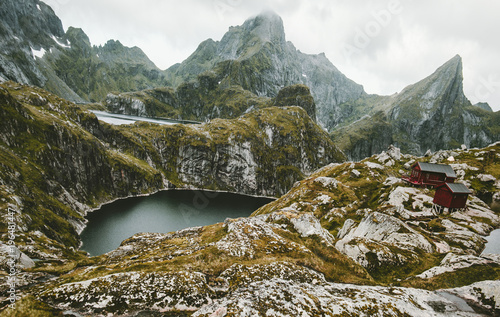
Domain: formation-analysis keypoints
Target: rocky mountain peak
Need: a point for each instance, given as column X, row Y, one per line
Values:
column 442, row 89
column 242, row 42
column 484, row 106
column 268, row 26
column 432, row 114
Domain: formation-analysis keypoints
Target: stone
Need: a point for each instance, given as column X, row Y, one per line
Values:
column 355, row 173
column 394, row 152
column 486, row 178
column 8, row 253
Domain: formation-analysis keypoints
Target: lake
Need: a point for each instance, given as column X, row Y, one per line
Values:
column 163, row 212
column 118, row 119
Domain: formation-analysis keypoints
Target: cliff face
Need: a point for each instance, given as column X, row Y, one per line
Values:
column 205, row 99
column 54, row 170
column 72, row 162
column 432, row 114
column 200, row 100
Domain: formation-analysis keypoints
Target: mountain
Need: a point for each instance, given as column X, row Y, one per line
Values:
column 59, row 161
column 34, row 49
column 257, row 57
column 254, row 56
column 432, row 114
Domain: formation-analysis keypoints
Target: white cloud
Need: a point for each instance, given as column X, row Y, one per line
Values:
column 397, row 42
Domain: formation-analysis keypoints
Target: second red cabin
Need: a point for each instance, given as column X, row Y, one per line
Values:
column 452, row 196
column 428, row 174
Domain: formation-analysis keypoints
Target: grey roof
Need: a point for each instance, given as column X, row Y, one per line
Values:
column 438, row 168
column 458, row 188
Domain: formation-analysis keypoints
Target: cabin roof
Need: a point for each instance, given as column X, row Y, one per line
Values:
column 458, row 188
column 438, row 168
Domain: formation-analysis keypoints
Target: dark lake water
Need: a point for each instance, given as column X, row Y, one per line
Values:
column 162, row 212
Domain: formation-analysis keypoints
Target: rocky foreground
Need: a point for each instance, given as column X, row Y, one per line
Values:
column 350, row 240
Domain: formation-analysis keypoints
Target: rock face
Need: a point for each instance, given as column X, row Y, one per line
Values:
column 484, row 105
column 277, row 289
column 200, row 100
column 205, row 99
column 431, row 114
column 29, row 27
column 257, row 57
column 56, row 167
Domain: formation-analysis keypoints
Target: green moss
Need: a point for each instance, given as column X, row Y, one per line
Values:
column 392, row 274
column 435, row 225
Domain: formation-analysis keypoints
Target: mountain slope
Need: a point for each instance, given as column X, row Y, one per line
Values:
column 257, row 57
column 34, row 49
column 205, row 99
column 26, row 27
column 59, row 161
column 431, row 114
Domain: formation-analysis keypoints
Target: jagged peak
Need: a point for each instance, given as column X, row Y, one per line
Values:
column 453, row 65
column 78, row 35
column 447, row 79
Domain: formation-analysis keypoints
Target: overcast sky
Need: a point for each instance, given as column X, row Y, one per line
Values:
column 383, row 45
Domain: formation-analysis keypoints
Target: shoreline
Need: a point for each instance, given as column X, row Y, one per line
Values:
column 91, row 210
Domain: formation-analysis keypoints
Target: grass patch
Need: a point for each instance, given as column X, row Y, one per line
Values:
column 29, row 306
column 458, row 278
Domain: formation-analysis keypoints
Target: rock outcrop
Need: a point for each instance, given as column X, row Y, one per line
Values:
column 388, row 227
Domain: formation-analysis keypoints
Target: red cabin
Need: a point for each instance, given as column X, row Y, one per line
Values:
column 452, row 195
column 428, row 174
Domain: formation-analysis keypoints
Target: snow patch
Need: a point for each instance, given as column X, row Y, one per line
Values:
column 37, row 53
column 59, row 43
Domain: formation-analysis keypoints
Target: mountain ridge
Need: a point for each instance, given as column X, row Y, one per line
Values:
column 432, row 114
column 257, row 57
column 35, row 50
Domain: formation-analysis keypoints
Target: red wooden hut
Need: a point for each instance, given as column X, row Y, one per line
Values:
column 451, row 195
column 429, row 174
